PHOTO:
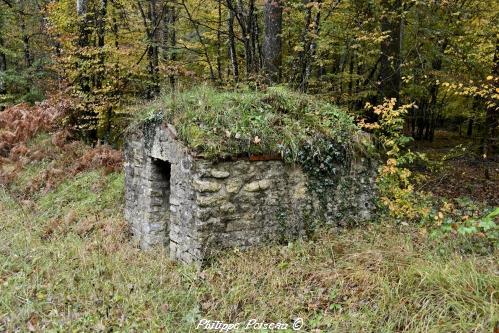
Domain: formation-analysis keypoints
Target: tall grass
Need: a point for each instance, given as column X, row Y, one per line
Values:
column 220, row 124
column 67, row 264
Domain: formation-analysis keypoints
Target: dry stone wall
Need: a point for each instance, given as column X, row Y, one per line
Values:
column 197, row 208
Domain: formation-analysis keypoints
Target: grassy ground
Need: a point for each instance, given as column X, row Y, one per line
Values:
column 66, row 264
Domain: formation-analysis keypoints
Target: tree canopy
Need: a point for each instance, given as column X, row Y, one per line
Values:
column 440, row 54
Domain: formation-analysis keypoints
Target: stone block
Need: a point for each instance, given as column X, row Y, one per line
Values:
column 206, row 186
column 259, row 185
column 220, row 174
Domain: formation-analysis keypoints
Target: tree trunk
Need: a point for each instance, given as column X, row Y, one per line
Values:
column 201, row 40
column 219, row 41
column 101, row 30
column 311, row 54
column 232, row 43
column 258, row 50
column 169, row 42
column 252, row 23
column 3, row 66
column 491, row 115
column 245, row 19
column 300, row 63
column 350, row 73
column 272, row 45
column 83, row 40
column 309, row 40
column 391, row 25
column 152, row 52
column 82, row 11
column 469, row 131
column 28, row 60
column 115, row 29
column 25, row 39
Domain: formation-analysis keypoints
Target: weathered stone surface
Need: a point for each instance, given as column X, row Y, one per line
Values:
column 234, row 185
column 260, row 185
column 197, row 207
column 219, row 174
column 228, row 208
column 210, row 200
column 205, row 186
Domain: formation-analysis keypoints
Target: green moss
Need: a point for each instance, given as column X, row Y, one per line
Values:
column 217, row 124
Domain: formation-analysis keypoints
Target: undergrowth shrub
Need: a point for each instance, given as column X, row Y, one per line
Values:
column 462, row 217
column 395, row 180
column 405, row 203
column 21, row 122
column 33, row 135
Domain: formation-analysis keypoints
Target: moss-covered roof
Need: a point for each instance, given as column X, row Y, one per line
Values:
column 218, row 124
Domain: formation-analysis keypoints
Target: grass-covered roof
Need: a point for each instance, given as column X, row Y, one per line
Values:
column 219, row 124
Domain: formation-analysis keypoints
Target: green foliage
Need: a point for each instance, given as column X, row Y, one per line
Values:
column 298, row 128
column 22, row 86
column 465, row 218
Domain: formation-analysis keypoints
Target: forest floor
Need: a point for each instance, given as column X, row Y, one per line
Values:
column 67, row 263
column 460, row 169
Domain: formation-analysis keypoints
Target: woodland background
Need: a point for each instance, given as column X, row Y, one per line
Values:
column 104, row 55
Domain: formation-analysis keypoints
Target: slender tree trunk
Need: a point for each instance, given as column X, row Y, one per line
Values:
column 251, row 24
column 172, row 18
column 232, row 42
column 258, row 50
column 309, row 39
column 246, row 18
column 219, row 41
column 169, row 38
column 350, row 73
column 102, row 24
column 201, row 40
column 469, row 131
column 115, row 30
column 272, row 46
column 26, row 47
column 165, row 42
column 255, row 44
column 300, row 63
column 83, row 40
column 391, row 25
column 24, row 35
column 491, row 116
column 101, row 30
column 82, row 11
column 311, row 53
column 153, row 48
column 3, row 65
column 245, row 22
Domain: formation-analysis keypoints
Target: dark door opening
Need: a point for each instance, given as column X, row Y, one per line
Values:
column 161, row 194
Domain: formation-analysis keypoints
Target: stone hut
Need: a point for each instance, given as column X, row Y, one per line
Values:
column 196, row 207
